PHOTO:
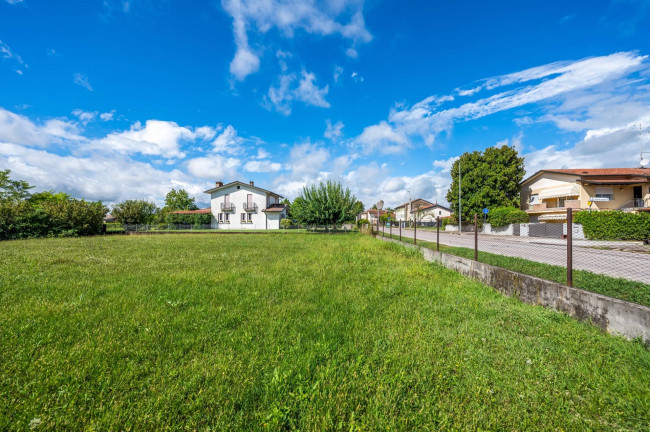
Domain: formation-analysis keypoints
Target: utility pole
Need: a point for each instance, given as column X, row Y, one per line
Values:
column 460, row 213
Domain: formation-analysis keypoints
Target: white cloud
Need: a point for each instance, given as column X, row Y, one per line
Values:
column 7, row 54
column 107, row 116
column 156, row 137
column 82, row 80
column 228, row 142
column 281, row 96
column 85, row 116
column 382, row 138
column 262, row 166
column 93, row 177
column 356, row 77
column 15, row 128
column 214, row 167
column 338, row 73
column 310, row 93
column 262, row 154
column 14, row 2
column 288, row 16
column 333, row 131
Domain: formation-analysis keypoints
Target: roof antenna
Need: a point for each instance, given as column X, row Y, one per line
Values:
column 644, row 162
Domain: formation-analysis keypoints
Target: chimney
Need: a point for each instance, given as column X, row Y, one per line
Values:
column 219, row 184
column 252, row 183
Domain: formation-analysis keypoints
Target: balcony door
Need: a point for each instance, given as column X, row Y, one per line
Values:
column 226, row 200
column 249, row 200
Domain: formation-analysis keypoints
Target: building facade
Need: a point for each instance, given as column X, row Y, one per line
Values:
column 547, row 194
column 241, row 206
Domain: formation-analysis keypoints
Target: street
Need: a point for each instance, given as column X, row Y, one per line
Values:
column 587, row 255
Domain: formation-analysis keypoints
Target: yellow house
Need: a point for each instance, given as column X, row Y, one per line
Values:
column 547, row 194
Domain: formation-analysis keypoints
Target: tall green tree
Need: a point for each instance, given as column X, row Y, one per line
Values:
column 326, row 204
column 488, row 179
column 179, row 200
column 135, row 212
column 13, row 190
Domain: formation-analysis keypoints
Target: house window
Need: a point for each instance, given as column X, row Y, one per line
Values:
column 560, row 201
column 249, row 200
column 227, row 216
column 226, row 199
column 604, row 193
column 249, row 216
column 534, row 199
column 439, row 212
column 220, row 217
column 243, row 217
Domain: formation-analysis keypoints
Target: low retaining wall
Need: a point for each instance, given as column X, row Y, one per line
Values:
column 612, row 315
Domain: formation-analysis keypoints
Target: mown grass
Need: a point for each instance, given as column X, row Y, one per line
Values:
column 623, row 289
column 289, row 332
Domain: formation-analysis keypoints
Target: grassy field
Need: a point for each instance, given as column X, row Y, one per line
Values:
column 623, row 289
column 283, row 332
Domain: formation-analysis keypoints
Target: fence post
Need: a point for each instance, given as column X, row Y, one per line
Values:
column 475, row 237
column 415, row 232
column 391, row 230
column 569, row 247
column 400, row 230
column 437, row 233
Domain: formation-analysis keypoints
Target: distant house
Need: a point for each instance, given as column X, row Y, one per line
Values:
column 429, row 213
column 372, row 215
column 547, row 194
column 109, row 218
column 239, row 205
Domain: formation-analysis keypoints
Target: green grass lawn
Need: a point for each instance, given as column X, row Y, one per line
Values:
column 623, row 289
column 280, row 332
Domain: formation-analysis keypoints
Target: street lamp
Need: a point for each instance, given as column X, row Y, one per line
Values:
column 409, row 210
column 460, row 212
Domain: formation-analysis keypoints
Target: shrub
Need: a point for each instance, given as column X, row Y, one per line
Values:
column 504, row 216
column 614, row 225
column 362, row 222
column 451, row 220
column 135, row 212
column 190, row 219
column 286, row 223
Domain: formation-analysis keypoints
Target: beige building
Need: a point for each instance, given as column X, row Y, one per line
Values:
column 547, row 194
column 404, row 212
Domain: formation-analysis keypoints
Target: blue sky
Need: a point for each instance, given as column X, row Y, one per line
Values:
column 111, row 99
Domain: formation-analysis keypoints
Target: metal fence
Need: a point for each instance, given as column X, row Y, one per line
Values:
column 554, row 251
column 227, row 227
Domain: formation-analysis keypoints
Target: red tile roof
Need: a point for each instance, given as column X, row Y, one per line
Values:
column 199, row 211
column 602, row 171
column 275, row 208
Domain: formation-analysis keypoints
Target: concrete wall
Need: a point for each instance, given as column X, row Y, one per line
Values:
column 612, row 315
column 511, row 230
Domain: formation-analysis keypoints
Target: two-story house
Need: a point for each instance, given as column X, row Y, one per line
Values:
column 429, row 213
column 239, row 205
column 406, row 213
column 547, row 194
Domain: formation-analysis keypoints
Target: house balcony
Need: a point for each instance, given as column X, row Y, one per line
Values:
column 635, row 204
column 227, row 207
column 545, row 208
column 250, row 207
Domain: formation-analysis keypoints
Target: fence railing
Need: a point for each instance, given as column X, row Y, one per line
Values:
column 615, row 268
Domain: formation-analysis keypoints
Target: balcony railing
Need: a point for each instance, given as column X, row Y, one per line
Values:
column 227, row 207
column 250, row 206
column 635, row 204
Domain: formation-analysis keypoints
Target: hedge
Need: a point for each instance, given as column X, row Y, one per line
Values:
column 614, row 225
column 504, row 216
column 191, row 219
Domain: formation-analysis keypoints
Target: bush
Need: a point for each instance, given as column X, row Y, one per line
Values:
column 451, row 220
column 504, row 216
column 614, row 225
column 286, row 223
column 135, row 212
column 190, row 219
column 362, row 222
column 62, row 218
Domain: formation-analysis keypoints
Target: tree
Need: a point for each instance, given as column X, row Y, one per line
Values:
column 488, row 179
column 288, row 204
column 327, row 204
column 13, row 190
column 134, row 212
column 179, row 200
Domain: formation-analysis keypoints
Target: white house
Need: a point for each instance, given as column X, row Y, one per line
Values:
column 429, row 213
column 240, row 205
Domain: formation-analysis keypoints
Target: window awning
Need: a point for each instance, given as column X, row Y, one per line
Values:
column 566, row 191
